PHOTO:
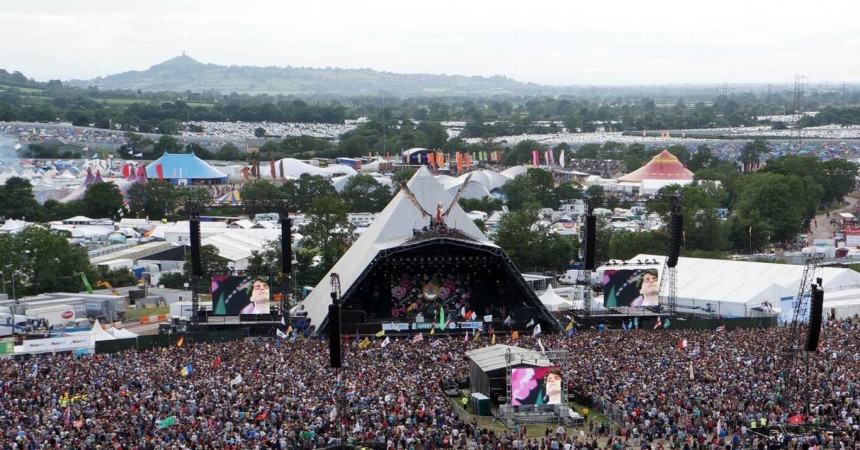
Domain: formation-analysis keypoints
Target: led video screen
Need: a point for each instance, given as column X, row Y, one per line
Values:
column 634, row 288
column 536, row 386
column 232, row 296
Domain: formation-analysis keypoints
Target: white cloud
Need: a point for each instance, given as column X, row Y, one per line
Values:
column 548, row 42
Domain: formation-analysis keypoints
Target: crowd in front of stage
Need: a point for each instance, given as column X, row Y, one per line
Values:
column 262, row 393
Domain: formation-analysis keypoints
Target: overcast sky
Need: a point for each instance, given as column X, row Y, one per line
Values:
column 570, row 42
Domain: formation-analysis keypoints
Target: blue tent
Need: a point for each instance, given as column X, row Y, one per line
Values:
column 184, row 168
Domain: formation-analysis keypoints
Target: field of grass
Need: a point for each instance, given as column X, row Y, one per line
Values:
column 137, row 313
column 22, row 89
column 131, row 101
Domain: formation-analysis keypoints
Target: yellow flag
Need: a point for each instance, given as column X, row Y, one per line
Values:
column 180, row 341
column 433, row 331
column 381, row 333
column 569, row 326
column 494, row 339
column 363, row 344
column 476, row 336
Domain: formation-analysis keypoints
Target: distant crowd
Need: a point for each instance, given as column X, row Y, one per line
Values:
column 683, row 389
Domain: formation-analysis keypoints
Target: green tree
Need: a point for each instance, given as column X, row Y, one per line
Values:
column 103, row 200
column 627, row 244
column 173, row 280
column 43, row 260
column 117, row 277
column 260, row 195
column 303, row 192
column 701, row 159
column 167, row 143
column 838, row 178
column 529, row 245
column 363, row 193
column 327, row 231
column 536, row 185
column 752, row 153
column 259, row 132
column 774, row 204
column 17, row 200
column 211, row 263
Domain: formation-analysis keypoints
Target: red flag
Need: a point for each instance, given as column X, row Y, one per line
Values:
column 682, row 344
column 159, row 170
column 217, row 362
column 262, row 416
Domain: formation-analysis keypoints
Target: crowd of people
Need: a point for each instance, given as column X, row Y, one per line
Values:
column 662, row 388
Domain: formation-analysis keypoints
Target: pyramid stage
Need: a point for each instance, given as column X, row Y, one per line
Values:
column 414, row 269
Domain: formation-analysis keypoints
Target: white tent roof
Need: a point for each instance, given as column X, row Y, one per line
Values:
column 474, row 190
column 99, row 334
column 121, row 333
column 745, row 284
column 554, row 301
column 392, row 228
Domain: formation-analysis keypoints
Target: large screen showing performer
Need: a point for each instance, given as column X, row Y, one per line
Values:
column 536, row 386
column 232, row 296
column 631, row 288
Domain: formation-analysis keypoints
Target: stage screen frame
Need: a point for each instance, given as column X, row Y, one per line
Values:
column 622, row 288
column 231, row 295
column 528, row 386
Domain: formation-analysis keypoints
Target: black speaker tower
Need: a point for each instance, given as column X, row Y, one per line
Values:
column 286, row 242
column 590, row 240
column 334, row 355
column 816, row 311
column 676, row 232
column 196, row 267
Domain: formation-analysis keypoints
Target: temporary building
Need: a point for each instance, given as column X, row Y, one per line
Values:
column 184, row 169
column 663, row 170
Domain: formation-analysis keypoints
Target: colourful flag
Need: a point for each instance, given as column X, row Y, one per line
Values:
column 721, row 327
column 666, row 323
column 380, row 333
column 636, row 323
column 476, row 336
column 569, row 326
column 682, row 344
column 363, row 344
column 536, row 331
column 441, row 318
column 493, row 341
column 385, row 342
column 418, row 338
column 186, row 370
column 180, row 341
column 515, row 335
column 168, row 422
column 217, row 362
column 658, row 324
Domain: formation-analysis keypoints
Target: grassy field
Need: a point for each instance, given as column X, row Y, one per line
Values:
column 131, row 101
column 137, row 313
column 22, row 89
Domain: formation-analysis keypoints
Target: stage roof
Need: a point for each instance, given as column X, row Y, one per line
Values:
column 494, row 357
column 664, row 166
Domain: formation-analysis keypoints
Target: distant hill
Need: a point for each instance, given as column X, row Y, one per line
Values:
column 185, row 73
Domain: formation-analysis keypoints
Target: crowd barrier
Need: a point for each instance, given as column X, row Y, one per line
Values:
column 148, row 342
column 155, row 319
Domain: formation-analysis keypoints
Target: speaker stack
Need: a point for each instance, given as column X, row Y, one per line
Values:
column 334, row 355
column 676, row 233
column 196, row 267
column 590, row 240
column 286, row 243
column 816, row 311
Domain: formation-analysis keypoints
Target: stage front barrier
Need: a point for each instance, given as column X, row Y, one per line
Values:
column 530, row 414
column 608, row 409
column 148, row 342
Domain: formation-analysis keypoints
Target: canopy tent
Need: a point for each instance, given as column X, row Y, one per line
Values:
column 121, row 333
column 184, row 168
column 553, row 301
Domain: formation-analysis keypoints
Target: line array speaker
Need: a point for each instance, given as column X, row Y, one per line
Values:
column 334, row 355
column 286, row 244
column 816, row 311
column 590, row 241
column 676, row 233
column 196, row 267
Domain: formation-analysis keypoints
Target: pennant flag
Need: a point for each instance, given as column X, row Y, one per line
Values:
column 569, row 326
column 531, row 323
column 180, row 341
column 666, row 323
column 658, row 324
column 721, row 327
column 385, row 342
column 168, row 422
column 186, row 370
column 433, row 330
column 363, row 344
column 441, row 318
column 418, row 338
column 682, row 344
column 493, row 341
column 236, row 380
column 217, row 363
column 536, row 331
column 507, row 320
column 380, row 333
column 540, row 344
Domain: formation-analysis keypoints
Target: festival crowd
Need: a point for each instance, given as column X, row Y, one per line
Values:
column 266, row 393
